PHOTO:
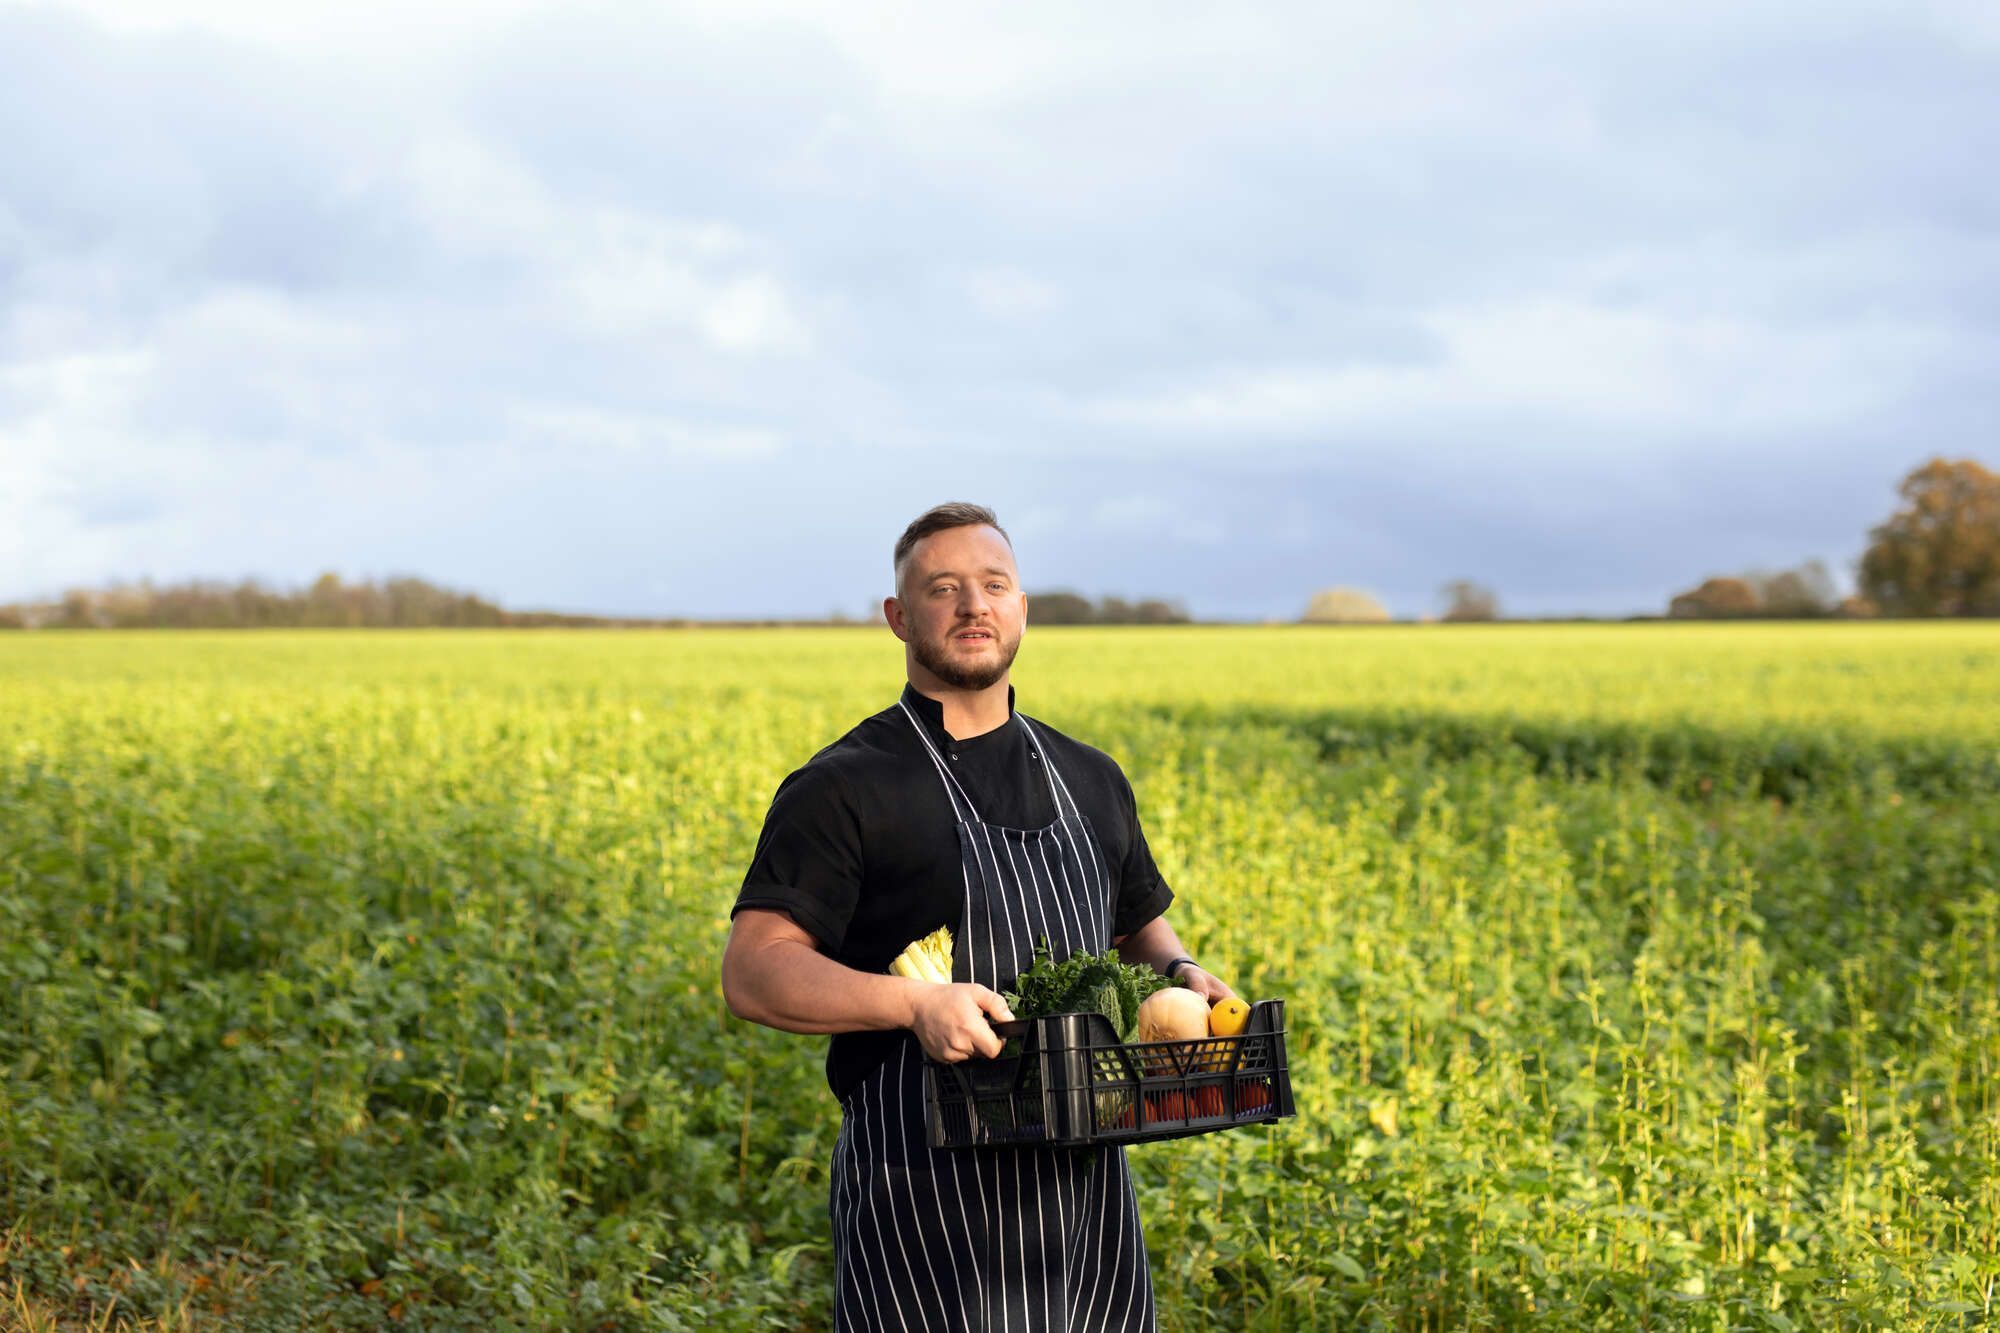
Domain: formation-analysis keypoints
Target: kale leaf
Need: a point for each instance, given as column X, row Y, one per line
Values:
column 1084, row 983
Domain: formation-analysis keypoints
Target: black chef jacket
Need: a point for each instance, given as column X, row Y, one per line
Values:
column 860, row 845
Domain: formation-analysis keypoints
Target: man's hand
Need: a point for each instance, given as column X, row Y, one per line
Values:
column 952, row 1022
column 1205, row 984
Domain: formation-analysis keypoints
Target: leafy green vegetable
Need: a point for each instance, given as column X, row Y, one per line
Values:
column 1084, row 983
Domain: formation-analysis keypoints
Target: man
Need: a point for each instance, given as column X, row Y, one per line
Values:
column 951, row 809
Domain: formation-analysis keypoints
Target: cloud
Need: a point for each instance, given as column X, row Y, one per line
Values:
column 1156, row 518
column 1232, row 307
column 1557, row 361
column 582, row 427
column 1009, row 294
column 596, row 269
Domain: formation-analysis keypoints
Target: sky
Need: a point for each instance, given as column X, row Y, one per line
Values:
column 689, row 309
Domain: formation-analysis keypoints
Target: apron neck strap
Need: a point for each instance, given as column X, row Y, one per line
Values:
column 1058, row 789
column 961, row 800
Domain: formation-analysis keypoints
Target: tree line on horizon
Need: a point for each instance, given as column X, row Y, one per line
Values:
column 1936, row 555
column 400, row 602
column 1068, row 608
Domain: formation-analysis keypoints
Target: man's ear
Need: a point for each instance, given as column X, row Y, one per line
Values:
column 892, row 611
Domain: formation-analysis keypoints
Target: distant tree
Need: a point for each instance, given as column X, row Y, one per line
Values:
column 1343, row 606
column 1067, row 608
column 77, row 610
column 1466, row 600
column 1059, row 608
column 1716, row 599
column 328, row 603
column 1153, row 611
column 1794, row 593
column 125, row 605
column 1938, row 555
column 213, row 604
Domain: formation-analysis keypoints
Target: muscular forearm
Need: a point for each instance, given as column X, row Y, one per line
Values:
column 1152, row 945
column 773, row 973
column 788, row 985
column 1155, row 945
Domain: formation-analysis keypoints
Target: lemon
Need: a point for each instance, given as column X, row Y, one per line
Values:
column 1227, row 1017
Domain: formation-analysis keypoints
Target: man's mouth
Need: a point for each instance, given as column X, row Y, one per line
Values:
column 974, row 636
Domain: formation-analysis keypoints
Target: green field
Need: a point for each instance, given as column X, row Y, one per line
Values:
column 1636, row 975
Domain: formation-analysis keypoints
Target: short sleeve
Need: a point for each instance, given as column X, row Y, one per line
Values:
column 808, row 857
column 1142, row 892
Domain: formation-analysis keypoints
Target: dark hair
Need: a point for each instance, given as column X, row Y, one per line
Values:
column 938, row 518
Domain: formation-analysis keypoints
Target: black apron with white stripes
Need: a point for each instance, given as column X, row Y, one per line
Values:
column 1002, row 1239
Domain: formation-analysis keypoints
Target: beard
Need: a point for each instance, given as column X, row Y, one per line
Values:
column 932, row 655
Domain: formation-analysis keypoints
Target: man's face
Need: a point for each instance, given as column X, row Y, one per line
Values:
column 963, row 610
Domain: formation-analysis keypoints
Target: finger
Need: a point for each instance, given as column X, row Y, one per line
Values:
column 994, row 1005
column 986, row 1043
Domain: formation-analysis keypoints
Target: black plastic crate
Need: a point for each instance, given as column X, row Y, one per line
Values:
column 1066, row 1081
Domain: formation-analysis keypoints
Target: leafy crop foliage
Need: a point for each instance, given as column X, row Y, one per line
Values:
column 1636, row 976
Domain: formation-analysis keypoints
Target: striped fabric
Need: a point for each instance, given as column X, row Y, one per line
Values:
column 1008, row 1239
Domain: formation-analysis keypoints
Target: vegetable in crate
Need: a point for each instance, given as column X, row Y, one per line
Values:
column 1084, row 983
column 927, row 959
column 1226, row 1018
column 1174, row 1014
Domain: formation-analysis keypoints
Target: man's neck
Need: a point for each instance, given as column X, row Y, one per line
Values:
column 967, row 713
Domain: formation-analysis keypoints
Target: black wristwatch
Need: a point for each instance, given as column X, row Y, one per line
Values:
column 1168, row 970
